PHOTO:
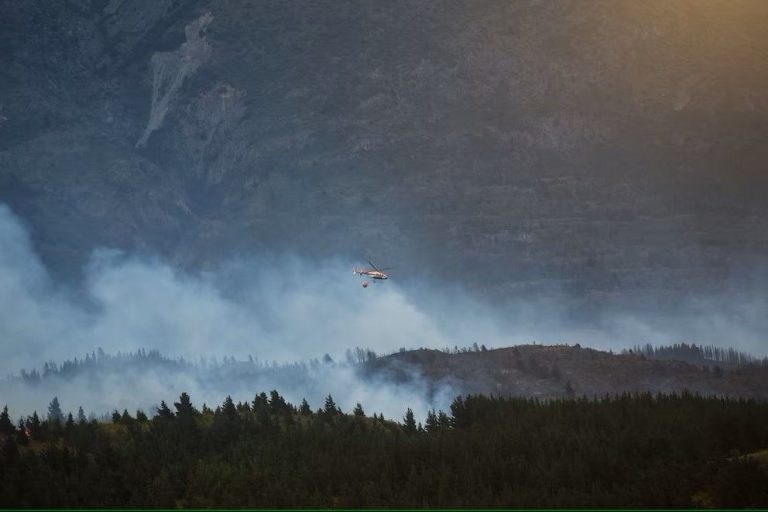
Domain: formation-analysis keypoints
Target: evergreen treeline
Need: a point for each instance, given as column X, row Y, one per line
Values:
column 621, row 451
column 700, row 354
column 228, row 367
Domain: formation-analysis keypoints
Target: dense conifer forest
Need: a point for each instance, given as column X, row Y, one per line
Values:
column 641, row 450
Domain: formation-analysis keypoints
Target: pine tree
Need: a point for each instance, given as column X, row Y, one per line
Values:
column 228, row 409
column 443, row 420
column 184, row 406
column 163, row 411
column 54, row 411
column 432, row 425
column 276, row 402
column 34, row 425
column 125, row 418
column 461, row 417
column 81, row 419
column 6, row 426
column 304, row 408
column 260, row 402
column 358, row 411
column 410, row 423
column 330, row 406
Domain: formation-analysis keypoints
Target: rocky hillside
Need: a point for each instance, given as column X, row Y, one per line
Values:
column 601, row 150
column 558, row 371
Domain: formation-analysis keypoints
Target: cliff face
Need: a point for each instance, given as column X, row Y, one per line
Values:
column 599, row 150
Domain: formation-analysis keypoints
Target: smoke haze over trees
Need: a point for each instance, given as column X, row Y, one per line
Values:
column 276, row 309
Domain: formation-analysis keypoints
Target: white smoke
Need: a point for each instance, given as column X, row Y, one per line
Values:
column 282, row 309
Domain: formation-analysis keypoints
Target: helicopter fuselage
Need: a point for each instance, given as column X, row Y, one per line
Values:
column 373, row 274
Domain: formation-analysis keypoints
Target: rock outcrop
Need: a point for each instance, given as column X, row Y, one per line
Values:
column 171, row 69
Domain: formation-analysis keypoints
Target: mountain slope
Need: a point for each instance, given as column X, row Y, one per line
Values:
column 604, row 152
column 558, row 371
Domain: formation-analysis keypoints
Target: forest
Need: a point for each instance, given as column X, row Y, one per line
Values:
column 628, row 450
column 701, row 355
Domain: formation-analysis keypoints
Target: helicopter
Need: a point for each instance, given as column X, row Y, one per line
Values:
column 375, row 273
